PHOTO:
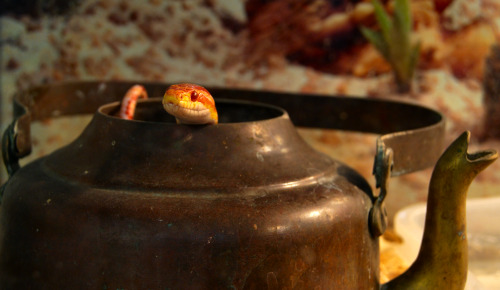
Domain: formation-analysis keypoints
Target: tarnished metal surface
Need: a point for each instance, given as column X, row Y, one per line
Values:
column 149, row 204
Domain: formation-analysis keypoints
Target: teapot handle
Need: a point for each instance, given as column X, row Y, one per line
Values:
column 413, row 133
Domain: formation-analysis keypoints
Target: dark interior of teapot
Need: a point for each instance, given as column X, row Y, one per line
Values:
column 229, row 111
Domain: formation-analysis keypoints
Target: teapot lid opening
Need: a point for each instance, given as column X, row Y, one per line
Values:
column 230, row 111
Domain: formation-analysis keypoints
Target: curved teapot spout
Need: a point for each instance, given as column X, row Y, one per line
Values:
column 442, row 260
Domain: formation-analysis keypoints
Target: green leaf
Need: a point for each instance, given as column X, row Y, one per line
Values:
column 377, row 40
column 402, row 16
column 383, row 19
column 402, row 26
column 393, row 40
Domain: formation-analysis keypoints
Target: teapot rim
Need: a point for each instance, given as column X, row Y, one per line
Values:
column 275, row 112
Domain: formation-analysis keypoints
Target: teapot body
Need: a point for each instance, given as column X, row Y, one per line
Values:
column 149, row 204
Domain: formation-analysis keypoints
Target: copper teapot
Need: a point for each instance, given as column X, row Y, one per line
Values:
column 244, row 204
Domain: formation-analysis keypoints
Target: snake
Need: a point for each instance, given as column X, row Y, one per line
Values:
column 129, row 102
column 188, row 103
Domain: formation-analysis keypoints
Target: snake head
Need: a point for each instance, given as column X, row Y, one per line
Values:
column 190, row 104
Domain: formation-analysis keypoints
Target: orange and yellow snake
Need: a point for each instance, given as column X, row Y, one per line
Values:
column 188, row 103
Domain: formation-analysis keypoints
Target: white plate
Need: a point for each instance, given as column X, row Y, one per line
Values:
column 483, row 231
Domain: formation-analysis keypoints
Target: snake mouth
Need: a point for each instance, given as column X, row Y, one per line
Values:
column 188, row 112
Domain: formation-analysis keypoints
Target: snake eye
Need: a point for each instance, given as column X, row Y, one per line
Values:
column 194, row 96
